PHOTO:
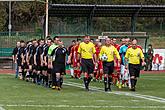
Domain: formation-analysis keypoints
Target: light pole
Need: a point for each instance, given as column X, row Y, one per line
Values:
column 9, row 26
column 46, row 19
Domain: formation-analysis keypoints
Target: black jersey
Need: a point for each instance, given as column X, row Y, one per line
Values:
column 59, row 55
column 31, row 51
column 15, row 51
column 39, row 52
column 20, row 52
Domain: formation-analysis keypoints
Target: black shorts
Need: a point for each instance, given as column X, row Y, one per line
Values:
column 49, row 71
column 45, row 68
column 25, row 66
column 37, row 67
column 87, row 65
column 134, row 70
column 19, row 62
column 108, row 67
column 58, row 68
column 31, row 61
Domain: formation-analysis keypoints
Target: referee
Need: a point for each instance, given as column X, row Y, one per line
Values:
column 86, row 52
column 108, row 65
column 133, row 56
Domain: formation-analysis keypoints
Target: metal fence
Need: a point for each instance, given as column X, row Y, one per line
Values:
column 7, row 43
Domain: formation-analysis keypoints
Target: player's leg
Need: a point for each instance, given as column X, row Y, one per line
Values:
column 111, row 70
column 85, row 70
column 132, row 76
column 71, row 70
column 105, row 71
column 53, row 75
column 58, row 77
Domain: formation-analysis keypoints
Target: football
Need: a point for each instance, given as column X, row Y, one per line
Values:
column 104, row 57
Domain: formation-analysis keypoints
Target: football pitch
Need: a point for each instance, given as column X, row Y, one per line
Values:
column 16, row 94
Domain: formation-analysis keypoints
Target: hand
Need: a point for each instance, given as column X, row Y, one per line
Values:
column 126, row 66
column 78, row 64
column 41, row 63
column 68, row 62
column 35, row 63
column 143, row 63
column 50, row 66
column 46, row 63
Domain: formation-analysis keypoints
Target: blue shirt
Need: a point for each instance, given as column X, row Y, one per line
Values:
column 122, row 53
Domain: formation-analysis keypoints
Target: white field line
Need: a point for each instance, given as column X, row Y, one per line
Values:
column 1, row 108
column 84, row 106
column 147, row 97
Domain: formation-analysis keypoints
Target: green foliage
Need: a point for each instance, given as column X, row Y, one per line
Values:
column 3, row 16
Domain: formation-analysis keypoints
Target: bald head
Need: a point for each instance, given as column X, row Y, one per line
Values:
column 134, row 43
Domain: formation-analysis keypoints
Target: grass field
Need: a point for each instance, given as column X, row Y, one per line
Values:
column 20, row 95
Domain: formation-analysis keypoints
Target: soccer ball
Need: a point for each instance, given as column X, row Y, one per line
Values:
column 104, row 57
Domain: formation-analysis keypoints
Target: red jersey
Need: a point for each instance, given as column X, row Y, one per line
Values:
column 97, row 51
column 117, row 46
column 74, row 52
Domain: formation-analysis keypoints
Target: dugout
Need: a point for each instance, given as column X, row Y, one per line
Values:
column 88, row 12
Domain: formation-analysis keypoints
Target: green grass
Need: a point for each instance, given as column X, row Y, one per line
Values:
column 20, row 95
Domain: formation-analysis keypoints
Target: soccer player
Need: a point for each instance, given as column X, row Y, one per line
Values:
column 116, row 73
column 98, row 66
column 87, row 53
column 14, row 57
column 26, row 66
column 58, row 58
column 149, row 58
column 30, row 59
column 50, row 65
column 73, row 59
column 108, row 64
column 124, row 76
column 46, row 71
column 132, row 62
column 38, row 60
column 70, row 63
column 20, row 59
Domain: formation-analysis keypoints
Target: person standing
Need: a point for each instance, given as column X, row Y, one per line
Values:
column 87, row 53
column 14, row 57
column 149, row 58
column 108, row 64
column 58, row 63
column 132, row 62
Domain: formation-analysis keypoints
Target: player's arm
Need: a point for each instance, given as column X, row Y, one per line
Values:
column 126, row 59
column 13, row 55
column 70, row 55
column 94, row 55
column 117, row 55
column 22, row 57
column 45, row 57
column 142, row 58
column 41, row 56
column 101, row 53
column 35, row 62
column 79, row 53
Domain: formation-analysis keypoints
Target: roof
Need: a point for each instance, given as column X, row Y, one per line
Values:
column 85, row 10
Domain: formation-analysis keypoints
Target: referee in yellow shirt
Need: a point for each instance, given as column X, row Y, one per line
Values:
column 86, row 52
column 108, row 65
column 132, row 57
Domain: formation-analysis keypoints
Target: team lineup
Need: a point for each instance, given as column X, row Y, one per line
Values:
column 44, row 61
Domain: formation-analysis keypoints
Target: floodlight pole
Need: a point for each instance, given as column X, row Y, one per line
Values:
column 46, row 19
column 9, row 26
